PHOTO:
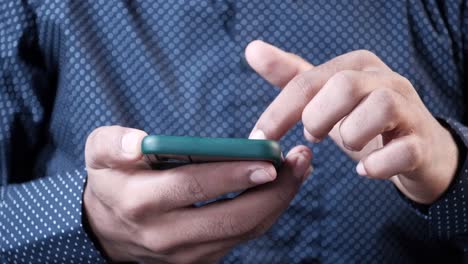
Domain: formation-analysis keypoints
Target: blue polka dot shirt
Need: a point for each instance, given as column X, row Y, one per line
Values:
column 177, row 68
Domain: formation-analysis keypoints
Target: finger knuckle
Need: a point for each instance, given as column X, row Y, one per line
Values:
column 404, row 82
column 349, row 136
column 233, row 225
column 365, row 53
column 345, row 80
column 414, row 153
column 195, row 188
column 403, row 85
column 132, row 209
column 388, row 103
column 302, row 84
column 366, row 57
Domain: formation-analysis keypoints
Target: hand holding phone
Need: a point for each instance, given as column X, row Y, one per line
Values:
column 171, row 151
column 143, row 215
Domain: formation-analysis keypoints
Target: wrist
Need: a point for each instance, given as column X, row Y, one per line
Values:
column 431, row 180
column 90, row 226
column 444, row 163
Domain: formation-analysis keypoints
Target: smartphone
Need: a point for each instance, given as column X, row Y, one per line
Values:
column 164, row 152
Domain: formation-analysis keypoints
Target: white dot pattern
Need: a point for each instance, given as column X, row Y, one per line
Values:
column 176, row 68
column 41, row 222
column 449, row 215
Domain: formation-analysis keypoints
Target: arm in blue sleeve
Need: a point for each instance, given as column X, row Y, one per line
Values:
column 448, row 216
column 40, row 215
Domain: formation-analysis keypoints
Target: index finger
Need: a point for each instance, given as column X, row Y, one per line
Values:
column 275, row 65
column 286, row 110
column 151, row 192
column 251, row 213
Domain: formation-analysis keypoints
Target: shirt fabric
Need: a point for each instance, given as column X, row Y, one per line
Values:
column 177, row 68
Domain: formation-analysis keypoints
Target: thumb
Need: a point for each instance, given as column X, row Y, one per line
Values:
column 113, row 146
column 275, row 65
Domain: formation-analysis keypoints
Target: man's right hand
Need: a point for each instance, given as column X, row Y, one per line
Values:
column 143, row 215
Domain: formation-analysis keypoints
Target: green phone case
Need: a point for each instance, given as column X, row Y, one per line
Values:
column 181, row 150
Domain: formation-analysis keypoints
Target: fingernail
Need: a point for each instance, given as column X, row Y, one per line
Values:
column 360, row 169
column 257, row 134
column 309, row 137
column 260, row 176
column 130, row 143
